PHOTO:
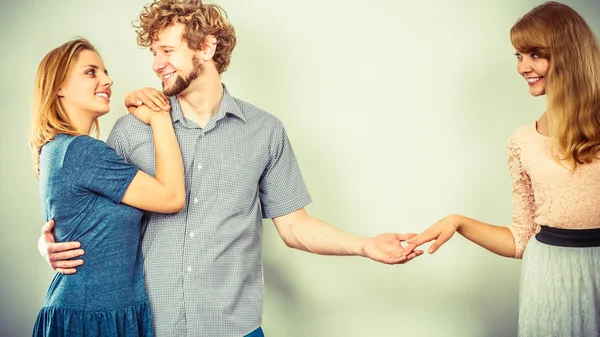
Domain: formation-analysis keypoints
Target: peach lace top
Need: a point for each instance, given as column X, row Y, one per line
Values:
column 546, row 193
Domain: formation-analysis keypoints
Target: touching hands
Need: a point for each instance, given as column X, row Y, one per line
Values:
column 441, row 232
column 146, row 115
column 386, row 248
column 150, row 97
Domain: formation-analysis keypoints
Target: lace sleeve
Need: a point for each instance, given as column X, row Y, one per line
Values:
column 523, row 200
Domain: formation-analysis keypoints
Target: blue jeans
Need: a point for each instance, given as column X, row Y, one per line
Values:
column 256, row 333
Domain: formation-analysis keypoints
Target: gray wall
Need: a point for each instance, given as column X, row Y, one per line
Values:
column 399, row 113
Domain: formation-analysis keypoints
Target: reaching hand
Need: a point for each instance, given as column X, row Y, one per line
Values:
column 386, row 248
column 441, row 232
column 59, row 255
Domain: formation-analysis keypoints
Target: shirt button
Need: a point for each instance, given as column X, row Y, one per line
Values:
column 195, row 200
column 199, row 166
column 189, row 269
column 192, row 234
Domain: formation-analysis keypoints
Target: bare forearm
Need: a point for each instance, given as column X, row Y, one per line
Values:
column 313, row 235
column 496, row 239
column 169, row 164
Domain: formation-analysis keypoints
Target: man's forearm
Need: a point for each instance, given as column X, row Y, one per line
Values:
column 315, row 236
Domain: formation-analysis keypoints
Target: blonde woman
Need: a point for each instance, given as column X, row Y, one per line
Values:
column 555, row 172
column 93, row 196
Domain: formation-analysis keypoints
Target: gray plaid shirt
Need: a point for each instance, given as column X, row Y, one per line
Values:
column 203, row 265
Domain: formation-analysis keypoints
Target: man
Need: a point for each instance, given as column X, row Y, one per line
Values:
column 203, row 265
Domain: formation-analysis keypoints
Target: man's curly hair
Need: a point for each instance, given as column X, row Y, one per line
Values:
column 199, row 19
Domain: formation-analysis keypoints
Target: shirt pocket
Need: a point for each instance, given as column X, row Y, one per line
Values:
column 239, row 179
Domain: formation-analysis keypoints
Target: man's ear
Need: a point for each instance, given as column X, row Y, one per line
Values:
column 209, row 47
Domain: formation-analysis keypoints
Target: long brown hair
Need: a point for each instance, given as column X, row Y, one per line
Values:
column 49, row 117
column 558, row 33
column 199, row 19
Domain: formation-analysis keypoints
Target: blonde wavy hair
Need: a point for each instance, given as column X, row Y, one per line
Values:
column 199, row 19
column 49, row 117
column 556, row 32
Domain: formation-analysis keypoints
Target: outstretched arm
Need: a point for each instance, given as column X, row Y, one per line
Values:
column 504, row 241
column 497, row 239
column 301, row 231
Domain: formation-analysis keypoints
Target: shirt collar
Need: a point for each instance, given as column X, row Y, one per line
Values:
column 228, row 106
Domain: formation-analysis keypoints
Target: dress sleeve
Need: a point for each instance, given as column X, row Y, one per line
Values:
column 523, row 199
column 94, row 166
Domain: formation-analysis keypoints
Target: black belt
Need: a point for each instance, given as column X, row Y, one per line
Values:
column 569, row 237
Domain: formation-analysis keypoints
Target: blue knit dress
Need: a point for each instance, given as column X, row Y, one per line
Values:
column 82, row 182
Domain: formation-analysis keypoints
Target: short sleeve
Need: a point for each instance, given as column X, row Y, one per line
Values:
column 523, row 199
column 94, row 166
column 282, row 189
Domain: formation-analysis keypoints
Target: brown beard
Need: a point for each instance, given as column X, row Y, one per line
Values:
column 183, row 83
